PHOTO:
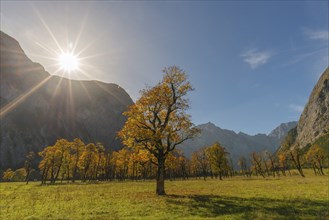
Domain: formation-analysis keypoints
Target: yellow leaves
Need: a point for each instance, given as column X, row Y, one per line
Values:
column 315, row 153
column 89, row 156
column 174, row 160
column 121, row 158
column 282, row 159
column 8, row 174
column 157, row 121
column 141, row 155
column 217, row 157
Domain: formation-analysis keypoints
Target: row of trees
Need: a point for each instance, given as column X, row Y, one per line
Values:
column 72, row 160
column 212, row 161
column 266, row 164
column 75, row 160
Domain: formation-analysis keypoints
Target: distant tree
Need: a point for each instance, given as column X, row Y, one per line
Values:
column 158, row 121
column 171, row 165
column 19, row 175
column 201, row 161
column 196, row 169
column 266, row 163
column 109, row 167
column 87, row 161
column 144, row 157
column 28, row 165
column 315, row 155
column 271, row 160
column 60, row 149
column 183, row 166
column 218, row 159
column 242, row 162
column 296, row 159
column 8, row 175
column 53, row 158
column 283, row 163
column 257, row 163
column 121, row 159
column 100, row 159
column 76, row 149
column 230, row 169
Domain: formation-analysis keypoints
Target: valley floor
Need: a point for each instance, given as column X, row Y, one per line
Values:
column 235, row 198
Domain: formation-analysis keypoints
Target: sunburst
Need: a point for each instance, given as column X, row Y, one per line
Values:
column 68, row 62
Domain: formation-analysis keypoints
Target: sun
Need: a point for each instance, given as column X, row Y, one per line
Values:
column 68, row 62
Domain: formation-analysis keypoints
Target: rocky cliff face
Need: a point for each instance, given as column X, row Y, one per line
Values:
column 238, row 144
column 314, row 121
column 38, row 108
column 281, row 131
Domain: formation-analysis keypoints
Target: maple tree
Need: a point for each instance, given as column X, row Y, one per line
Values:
column 158, row 121
column 218, row 159
column 315, row 155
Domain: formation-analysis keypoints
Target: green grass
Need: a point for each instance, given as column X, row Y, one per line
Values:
column 237, row 198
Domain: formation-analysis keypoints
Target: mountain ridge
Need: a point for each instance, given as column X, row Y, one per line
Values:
column 238, row 144
column 38, row 108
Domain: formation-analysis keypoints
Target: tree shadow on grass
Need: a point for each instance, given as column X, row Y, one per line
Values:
column 209, row 206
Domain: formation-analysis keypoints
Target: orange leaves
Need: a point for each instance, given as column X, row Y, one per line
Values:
column 157, row 121
column 8, row 175
column 67, row 158
column 315, row 154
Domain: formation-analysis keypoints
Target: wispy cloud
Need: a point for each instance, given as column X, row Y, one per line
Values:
column 296, row 108
column 256, row 58
column 304, row 55
column 316, row 34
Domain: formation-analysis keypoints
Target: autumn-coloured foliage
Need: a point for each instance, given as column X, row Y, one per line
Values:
column 75, row 160
column 158, row 122
column 8, row 175
column 315, row 156
column 218, row 158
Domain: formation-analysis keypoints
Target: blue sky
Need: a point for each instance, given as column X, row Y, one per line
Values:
column 253, row 64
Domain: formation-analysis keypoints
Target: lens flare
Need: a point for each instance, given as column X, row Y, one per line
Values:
column 68, row 62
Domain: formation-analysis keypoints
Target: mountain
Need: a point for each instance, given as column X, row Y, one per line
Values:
column 281, row 131
column 238, row 144
column 38, row 108
column 313, row 124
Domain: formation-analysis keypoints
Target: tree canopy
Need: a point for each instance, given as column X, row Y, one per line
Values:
column 158, row 121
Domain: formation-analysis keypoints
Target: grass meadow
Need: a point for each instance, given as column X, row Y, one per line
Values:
column 234, row 198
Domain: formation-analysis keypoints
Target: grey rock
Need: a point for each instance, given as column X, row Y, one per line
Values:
column 314, row 121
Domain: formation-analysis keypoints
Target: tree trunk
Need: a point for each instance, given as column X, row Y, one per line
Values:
column 68, row 173
column 297, row 163
column 27, row 178
column 314, row 169
column 320, row 165
column 204, row 175
column 160, row 190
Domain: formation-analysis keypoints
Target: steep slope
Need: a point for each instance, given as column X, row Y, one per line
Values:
column 38, row 108
column 313, row 124
column 238, row 144
column 314, row 120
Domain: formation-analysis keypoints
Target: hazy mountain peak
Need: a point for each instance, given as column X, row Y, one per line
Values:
column 238, row 144
column 281, row 131
column 209, row 125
